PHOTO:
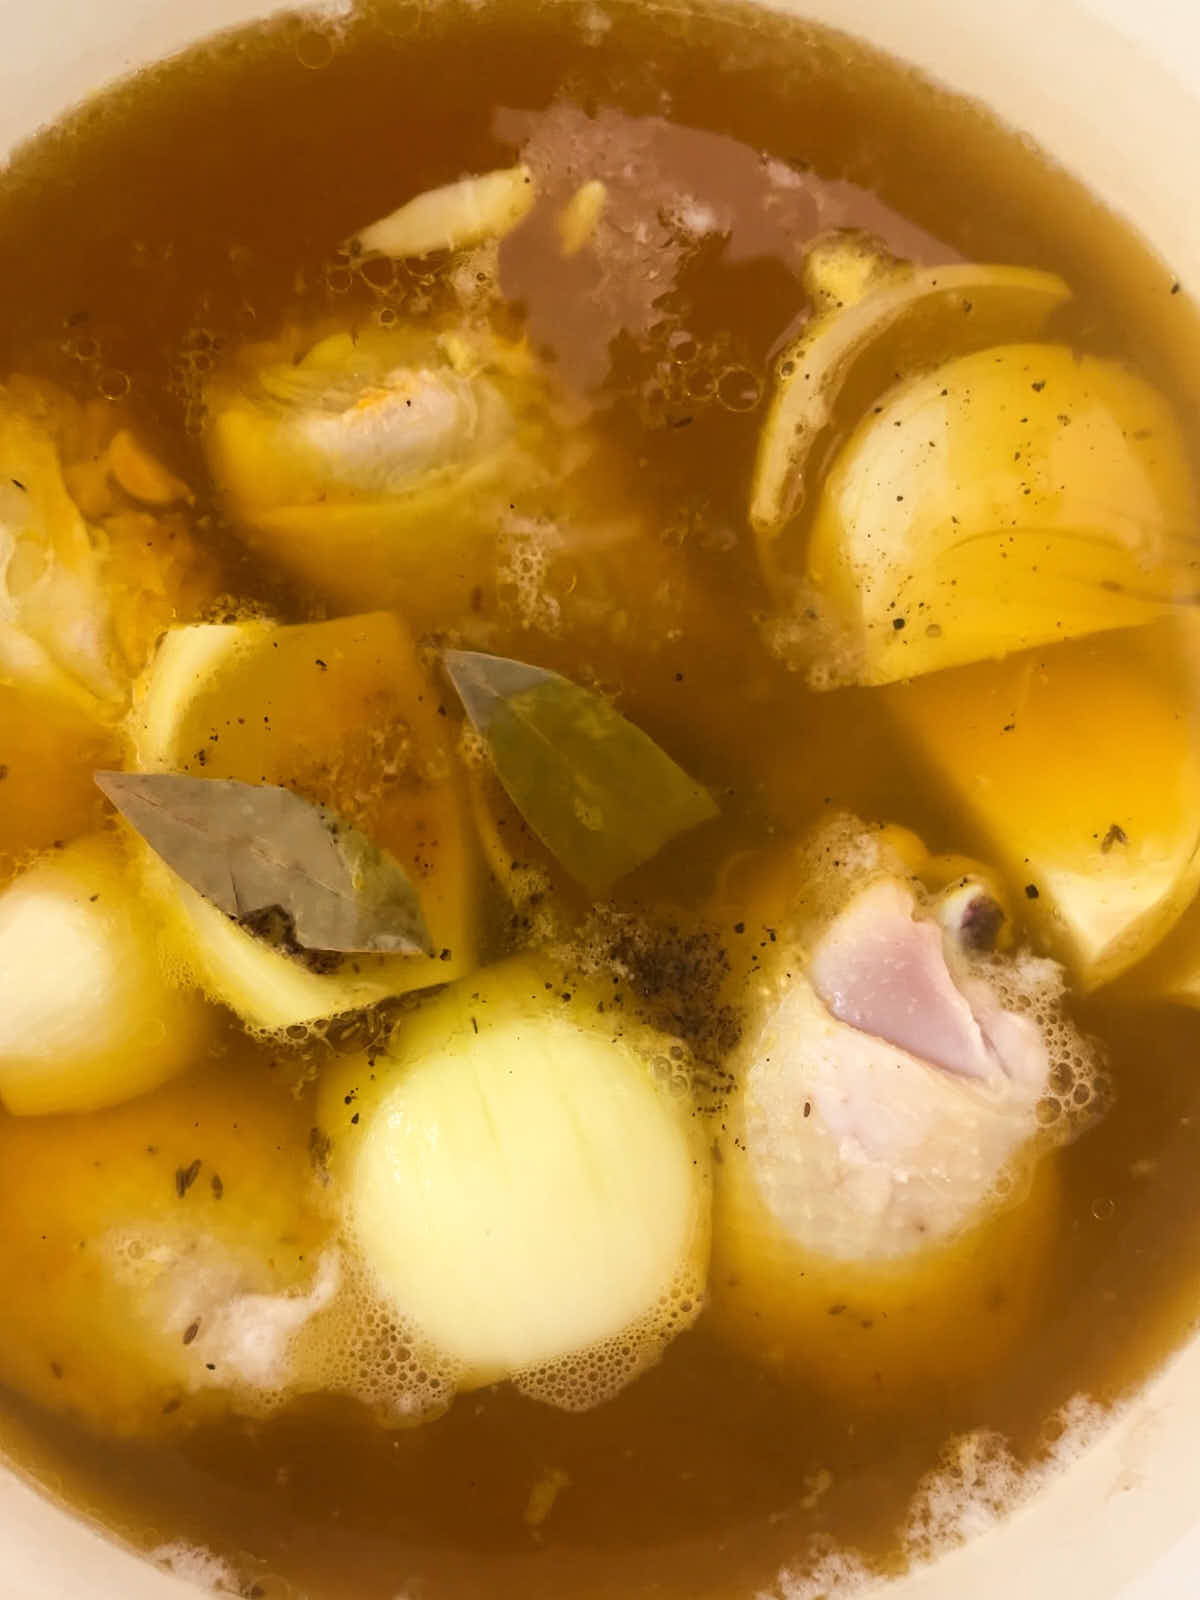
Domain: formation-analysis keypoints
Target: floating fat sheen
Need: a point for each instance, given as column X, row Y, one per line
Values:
column 524, row 1192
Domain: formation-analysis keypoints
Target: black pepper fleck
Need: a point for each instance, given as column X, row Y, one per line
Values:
column 185, row 1177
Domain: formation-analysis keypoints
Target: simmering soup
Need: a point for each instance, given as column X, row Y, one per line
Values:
column 599, row 808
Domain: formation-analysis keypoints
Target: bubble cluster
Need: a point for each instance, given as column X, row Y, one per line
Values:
column 979, row 1481
column 360, row 1348
column 198, row 354
column 1078, row 1089
column 802, row 637
column 528, row 546
column 587, row 1378
column 977, row 1484
column 193, row 1564
column 203, row 1301
column 683, row 373
column 830, row 1575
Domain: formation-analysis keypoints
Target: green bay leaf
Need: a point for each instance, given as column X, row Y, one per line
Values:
column 253, row 849
column 597, row 791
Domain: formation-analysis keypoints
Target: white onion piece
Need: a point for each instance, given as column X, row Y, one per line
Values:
column 974, row 305
column 88, row 1014
column 454, row 216
column 523, row 1189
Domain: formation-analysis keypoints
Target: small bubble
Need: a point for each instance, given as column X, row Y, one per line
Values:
column 379, row 272
column 1103, row 1208
column 314, row 49
column 1048, row 1111
column 339, row 280
column 113, row 385
column 683, row 347
column 738, row 389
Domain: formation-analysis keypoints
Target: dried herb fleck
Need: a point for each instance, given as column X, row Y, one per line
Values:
column 185, row 1177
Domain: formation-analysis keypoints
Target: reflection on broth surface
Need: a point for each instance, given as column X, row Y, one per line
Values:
column 630, row 574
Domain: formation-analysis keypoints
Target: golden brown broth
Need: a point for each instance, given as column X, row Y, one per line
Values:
column 210, row 194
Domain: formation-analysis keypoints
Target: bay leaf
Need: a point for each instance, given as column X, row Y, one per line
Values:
column 597, row 791
column 257, row 848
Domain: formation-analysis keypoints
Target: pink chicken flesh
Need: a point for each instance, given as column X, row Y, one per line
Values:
column 890, row 1087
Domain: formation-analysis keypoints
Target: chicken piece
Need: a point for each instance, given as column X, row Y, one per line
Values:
column 377, row 466
column 880, row 1158
column 885, row 1098
column 886, row 972
column 86, row 584
column 169, row 1250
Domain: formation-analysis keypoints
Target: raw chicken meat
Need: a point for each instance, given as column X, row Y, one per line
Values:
column 891, row 1087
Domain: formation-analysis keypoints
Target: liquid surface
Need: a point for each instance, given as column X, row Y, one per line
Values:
column 202, row 206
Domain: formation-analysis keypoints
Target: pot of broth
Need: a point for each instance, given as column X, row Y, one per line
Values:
column 599, row 800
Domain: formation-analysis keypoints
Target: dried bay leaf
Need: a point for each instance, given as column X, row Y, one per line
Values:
column 253, row 849
column 597, row 791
